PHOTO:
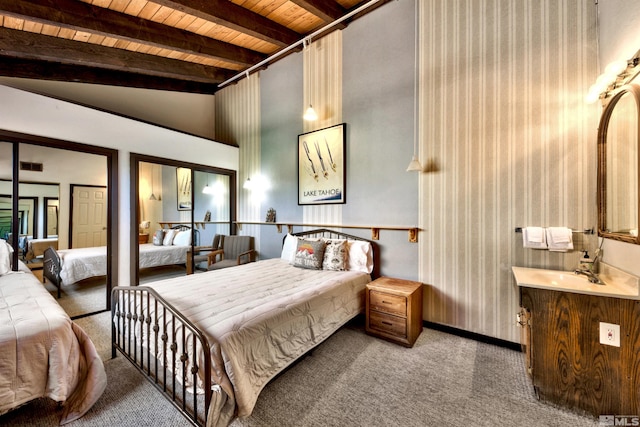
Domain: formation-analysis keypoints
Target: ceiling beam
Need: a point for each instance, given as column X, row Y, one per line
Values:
column 230, row 15
column 21, row 44
column 328, row 11
column 43, row 70
column 97, row 20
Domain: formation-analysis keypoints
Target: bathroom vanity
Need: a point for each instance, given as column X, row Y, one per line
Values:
column 582, row 340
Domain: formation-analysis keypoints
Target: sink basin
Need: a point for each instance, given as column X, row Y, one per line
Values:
column 554, row 278
column 568, row 281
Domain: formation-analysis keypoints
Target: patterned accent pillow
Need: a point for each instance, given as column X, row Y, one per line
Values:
column 158, row 237
column 309, row 254
column 335, row 255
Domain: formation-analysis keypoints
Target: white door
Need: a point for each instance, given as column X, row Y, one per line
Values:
column 89, row 222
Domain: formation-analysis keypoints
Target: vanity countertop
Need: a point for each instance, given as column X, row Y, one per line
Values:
column 617, row 283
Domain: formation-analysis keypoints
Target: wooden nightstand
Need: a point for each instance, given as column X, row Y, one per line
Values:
column 394, row 310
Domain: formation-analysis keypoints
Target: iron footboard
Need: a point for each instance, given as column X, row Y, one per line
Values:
column 146, row 326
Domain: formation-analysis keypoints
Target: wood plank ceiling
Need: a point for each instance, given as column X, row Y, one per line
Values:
column 179, row 45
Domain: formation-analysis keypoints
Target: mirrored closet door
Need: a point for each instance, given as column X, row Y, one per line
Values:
column 64, row 204
column 180, row 209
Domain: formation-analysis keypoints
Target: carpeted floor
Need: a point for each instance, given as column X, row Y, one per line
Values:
column 350, row 380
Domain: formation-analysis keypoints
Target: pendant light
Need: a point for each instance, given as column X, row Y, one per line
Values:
column 153, row 196
column 415, row 165
column 207, row 189
column 310, row 114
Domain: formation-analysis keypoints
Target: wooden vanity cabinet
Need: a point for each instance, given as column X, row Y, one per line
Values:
column 569, row 365
column 394, row 310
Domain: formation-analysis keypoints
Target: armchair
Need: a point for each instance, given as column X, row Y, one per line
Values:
column 201, row 254
column 234, row 250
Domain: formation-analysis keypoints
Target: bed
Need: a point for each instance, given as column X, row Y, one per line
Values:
column 68, row 266
column 35, row 247
column 212, row 341
column 42, row 352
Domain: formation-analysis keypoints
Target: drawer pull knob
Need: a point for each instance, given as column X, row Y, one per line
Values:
column 387, row 323
column 386, row 302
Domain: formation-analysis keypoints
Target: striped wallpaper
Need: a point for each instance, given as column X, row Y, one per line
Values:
column 508, row 141
column 323, row 89
column 505, row 137
column 238, row 120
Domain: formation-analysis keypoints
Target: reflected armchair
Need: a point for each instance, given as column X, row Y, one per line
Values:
column 234, row 250
column 201, row 254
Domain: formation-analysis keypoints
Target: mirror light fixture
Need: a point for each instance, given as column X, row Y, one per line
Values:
column 415, row 165
column 615, row 75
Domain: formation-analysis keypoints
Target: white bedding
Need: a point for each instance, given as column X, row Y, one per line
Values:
column 83, row 263
column 259, row 318
column 42, row 352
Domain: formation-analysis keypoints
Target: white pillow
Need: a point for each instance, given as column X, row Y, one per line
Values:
column 360, row 256
column 182, row 238
column 168, row 237
column 289, row 248
column 5, row 257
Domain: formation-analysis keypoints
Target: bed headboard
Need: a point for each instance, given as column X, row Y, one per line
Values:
column 51, row 267
column 333, row 234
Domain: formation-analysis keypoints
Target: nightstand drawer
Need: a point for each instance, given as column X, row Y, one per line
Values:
column 387, row 303
column 385, row 323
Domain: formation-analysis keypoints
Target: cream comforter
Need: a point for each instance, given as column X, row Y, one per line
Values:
column 83, row 263
column 42, row 352
column 259, row 318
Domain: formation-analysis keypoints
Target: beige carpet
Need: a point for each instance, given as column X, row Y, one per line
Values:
column 352, row 379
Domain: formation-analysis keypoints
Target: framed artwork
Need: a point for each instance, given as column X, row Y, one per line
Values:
column 321, row 166
column 183, row 181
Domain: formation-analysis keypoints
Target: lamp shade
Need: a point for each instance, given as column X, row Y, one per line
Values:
column 310, row 114
column 414, row 165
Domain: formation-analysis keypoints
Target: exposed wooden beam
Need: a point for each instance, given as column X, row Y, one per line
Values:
column 328, row 11
column 21, row 44
column 97, row 20
column 230, row 15
column 43, row 70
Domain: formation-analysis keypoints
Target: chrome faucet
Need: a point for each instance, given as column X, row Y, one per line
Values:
column 593, row 277
column 588, row 271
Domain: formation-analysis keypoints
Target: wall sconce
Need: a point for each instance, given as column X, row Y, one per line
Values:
column 257, row 187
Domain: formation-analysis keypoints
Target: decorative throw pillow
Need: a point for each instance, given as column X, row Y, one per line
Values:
column 158, row 237
column 335, row 255
column 309, row 254
column 168, row 237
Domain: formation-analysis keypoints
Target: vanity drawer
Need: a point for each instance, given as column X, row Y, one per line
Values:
column 395, row 326
column 388, row 303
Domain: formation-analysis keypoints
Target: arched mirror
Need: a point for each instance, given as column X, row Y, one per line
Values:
column 618, row 166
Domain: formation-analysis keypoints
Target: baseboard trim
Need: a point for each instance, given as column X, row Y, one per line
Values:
column 472, row 335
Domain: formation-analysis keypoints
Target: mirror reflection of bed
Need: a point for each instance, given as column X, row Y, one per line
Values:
column 173, row 198
column 46, row 210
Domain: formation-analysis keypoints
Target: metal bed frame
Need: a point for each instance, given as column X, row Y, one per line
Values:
column 132, row 320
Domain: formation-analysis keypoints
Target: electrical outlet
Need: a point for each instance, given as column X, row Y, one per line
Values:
column 609, row 334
